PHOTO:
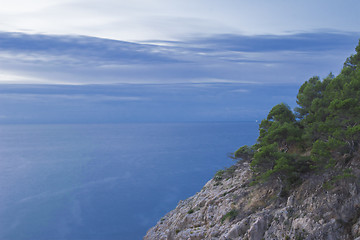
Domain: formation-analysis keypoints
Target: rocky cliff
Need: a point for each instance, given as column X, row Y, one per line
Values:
column 324, row 205
column 304, row 178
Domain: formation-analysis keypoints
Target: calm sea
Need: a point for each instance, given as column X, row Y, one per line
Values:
column 105, row 182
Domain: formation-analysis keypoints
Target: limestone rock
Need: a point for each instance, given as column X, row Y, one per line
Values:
column 232, row 209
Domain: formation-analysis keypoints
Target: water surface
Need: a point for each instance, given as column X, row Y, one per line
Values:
column 105, row 182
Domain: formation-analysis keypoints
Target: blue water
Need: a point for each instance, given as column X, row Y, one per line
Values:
column 105, row 182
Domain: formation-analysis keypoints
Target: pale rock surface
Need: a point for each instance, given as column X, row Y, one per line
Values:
column 232, row 209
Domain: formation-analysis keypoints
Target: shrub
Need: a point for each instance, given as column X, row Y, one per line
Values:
column 190, row 211
column 231, row 215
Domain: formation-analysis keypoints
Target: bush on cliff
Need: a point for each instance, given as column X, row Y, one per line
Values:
column 324, row 127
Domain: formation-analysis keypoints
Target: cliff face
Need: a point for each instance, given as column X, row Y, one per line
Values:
column 323, row 206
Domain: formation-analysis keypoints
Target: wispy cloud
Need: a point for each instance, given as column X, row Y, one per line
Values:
column 229, row 58
column 77, row 78
column 323, row 40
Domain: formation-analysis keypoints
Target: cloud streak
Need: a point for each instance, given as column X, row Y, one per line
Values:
column 76, row 79
column 227, row 58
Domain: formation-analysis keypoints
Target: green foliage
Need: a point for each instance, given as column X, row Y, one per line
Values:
column 245, row 153
column 321, row 153
column 225, row 173
column 270, row 163
column 281, row 113
column 279, row 127
column 308, row 92
column 265, row 157
column 352, row 63
column 190, row 211
column 231, row 215
column 219, row 175
column 346, row 174
column 326, row 123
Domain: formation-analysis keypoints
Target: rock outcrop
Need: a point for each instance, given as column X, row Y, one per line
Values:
column 323, row 206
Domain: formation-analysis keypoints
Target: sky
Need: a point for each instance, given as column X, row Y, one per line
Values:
column 76, row 61
column 176, row 19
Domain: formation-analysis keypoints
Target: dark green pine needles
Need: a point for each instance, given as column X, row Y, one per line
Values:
column 323, row 129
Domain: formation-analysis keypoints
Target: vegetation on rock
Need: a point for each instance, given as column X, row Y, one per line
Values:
column 294, row 201
column 321, row 133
